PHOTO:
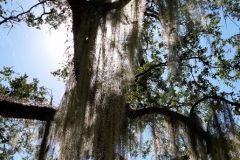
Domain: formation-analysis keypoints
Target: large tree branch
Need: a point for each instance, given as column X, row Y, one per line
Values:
column 132, row 114
column 17, row 110
column 107, row 6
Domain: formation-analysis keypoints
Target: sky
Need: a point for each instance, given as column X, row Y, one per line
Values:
column 36, row 53
column 33, row 51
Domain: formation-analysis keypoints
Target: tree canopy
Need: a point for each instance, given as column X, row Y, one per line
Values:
column 155, row 78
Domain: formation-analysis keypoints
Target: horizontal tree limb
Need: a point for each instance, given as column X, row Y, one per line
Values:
column 10, row 109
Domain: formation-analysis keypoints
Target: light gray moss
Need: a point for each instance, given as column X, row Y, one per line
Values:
column 93, row 117
column 92, row 120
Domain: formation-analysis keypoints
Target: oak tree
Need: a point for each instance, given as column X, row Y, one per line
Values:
column 141, row 81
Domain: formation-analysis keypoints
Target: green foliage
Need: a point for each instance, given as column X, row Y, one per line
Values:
column 207, row 62
column 199, row 65
column 16, row 135
column 19, row 89
column 53, row 13
column 61, row 73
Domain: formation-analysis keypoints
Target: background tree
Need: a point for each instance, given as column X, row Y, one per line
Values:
column 142, row 67
column 20, row 135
